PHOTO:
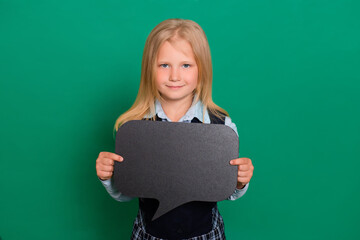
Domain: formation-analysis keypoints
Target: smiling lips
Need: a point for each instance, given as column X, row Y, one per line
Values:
column 174, row 87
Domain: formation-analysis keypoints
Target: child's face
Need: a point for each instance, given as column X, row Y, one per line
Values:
column 176, row 71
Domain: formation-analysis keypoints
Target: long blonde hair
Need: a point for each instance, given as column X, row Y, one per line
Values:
column 170, row 30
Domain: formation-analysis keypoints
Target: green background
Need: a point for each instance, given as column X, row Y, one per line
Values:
column 288, row 73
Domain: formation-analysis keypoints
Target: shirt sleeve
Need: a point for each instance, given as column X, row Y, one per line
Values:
column 238, row 193
column 118, row 196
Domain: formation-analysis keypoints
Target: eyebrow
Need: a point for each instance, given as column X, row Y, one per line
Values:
column 165, row 61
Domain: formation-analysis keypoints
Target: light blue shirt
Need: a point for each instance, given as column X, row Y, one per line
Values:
column 196, row 110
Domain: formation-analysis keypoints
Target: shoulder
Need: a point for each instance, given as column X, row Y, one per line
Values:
column 216, row 117
column 229, row 123
column 223, row 119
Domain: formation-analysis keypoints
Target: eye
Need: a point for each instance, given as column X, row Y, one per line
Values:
column 186, row 65
column 164, row 65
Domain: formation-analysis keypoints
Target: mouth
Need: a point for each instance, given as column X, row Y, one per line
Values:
column 174, row 87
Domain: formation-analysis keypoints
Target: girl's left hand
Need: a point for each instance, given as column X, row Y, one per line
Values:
column 245, row 171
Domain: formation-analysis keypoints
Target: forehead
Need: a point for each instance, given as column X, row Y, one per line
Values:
column 177, row 47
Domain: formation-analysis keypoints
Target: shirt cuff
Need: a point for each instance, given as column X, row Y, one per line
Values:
column 238, row 193
column 118, row 196
column 106, row 182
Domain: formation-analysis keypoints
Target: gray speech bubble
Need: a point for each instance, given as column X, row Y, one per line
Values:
column 175, row 162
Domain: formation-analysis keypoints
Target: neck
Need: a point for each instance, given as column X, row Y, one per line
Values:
column 174, row 110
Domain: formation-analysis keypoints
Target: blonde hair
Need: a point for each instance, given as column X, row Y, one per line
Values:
column 171, row 30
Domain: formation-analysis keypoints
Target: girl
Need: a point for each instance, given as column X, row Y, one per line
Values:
column 175, row 86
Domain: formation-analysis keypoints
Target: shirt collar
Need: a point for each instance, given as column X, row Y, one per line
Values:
column 195, row 111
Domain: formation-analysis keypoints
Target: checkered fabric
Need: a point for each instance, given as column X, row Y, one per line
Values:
column 217, row 233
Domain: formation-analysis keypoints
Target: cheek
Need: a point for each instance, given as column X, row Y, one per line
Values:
column 160, row 76
column 193, row 77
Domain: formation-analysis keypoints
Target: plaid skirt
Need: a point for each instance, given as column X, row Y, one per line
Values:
column 217, row 232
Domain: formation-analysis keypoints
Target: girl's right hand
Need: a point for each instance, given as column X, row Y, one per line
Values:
column 105, row 164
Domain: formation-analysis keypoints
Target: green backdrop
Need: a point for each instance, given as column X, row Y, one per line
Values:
column 286, row 71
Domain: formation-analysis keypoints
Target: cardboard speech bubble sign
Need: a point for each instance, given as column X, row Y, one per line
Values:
column 175, row 162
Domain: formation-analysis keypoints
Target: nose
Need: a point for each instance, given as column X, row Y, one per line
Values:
column 174, row 75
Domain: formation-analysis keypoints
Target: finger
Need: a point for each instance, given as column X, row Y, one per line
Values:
column 107, row 161
column 104, row 174
column 105, row 168
column 239, row 161
column 243, row 180
column 243, row 174
column 244, row 167
column 110, row 155
column 119, row 158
